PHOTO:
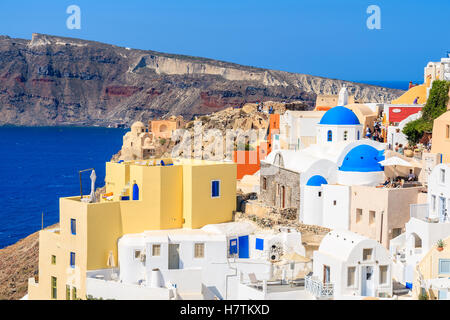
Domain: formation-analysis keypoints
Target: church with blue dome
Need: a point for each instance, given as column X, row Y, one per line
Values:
column 325, row 171
column 339, row 124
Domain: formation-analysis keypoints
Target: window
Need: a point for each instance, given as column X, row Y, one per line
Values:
column 73, row 226
column 53, row 287
column 156, row 250
column 351, row 275
column 72, row 259
column 53, row 259
column 358, row 136
column 137, row 254
column 345, row 135
column 67, row 292
column 383, row 274
column 444, row 266
column 371, row 217
column 334, row 202
column 74, row 293
column 320, row 193
column 330, row 135
column 396, row 232
column 264, row 183
column 447, row 131
column 433, row 202
column 367, row 254
column 442, row 176
column 359, row 214
column 259, row 245
column 199, row 251
column 215, row 189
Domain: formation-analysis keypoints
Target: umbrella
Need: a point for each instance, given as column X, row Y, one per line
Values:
column 93, row 177
column 110, row 262
column 294, row 257
column 395, row 161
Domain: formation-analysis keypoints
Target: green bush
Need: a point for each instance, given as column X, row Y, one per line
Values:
column 436, row 105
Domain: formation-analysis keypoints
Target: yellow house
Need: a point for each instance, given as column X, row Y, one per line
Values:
column 441, row 136
column 434, row 270
column 140, row 196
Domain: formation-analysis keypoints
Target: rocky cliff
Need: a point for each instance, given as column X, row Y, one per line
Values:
column 53, row 80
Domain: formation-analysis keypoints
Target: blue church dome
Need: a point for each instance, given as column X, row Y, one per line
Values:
column 363, row 158
column 316, row 181
column 339, row 116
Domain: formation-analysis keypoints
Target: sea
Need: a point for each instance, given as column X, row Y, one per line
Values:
column 38, row 165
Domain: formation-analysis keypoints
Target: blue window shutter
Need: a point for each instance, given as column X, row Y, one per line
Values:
column 330, row 135
column 215, row 189
column 72, row 259
column 73, row 226
column 259, row 244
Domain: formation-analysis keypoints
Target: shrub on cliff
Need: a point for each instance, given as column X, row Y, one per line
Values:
column 436, row 105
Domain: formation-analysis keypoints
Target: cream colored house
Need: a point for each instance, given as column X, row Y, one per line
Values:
column 381, row 213
column 137, row 143
column 432, row 275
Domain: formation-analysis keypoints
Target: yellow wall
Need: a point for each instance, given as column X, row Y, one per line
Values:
column 168, row 195
column 199, row 205
column 429, row 268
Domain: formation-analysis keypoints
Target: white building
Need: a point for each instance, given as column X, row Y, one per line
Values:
column 340, row 158
column 395, row 133
column 429, row 223
column 297, row 130
column 348, row 266
column 208, row 263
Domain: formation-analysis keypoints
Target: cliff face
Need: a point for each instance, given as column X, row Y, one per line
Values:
column 56, row 81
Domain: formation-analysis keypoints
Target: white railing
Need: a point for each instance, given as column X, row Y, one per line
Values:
column 317, row 288
column 419, row 211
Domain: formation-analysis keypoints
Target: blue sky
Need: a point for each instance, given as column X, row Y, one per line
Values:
column 319, row 37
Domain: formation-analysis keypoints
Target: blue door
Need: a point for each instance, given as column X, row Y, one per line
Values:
column 233, row 246
column 135, row 192
column 243, row 247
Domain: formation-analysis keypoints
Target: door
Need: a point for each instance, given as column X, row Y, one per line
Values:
column 326, row 274
column 283, row 197
column 174, row 256
column 243, row 247
column 367, row 281
column 442, row 209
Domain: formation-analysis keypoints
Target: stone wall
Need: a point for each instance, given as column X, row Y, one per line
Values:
column 275, row 179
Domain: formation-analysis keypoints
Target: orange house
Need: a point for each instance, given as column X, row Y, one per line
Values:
column 248, row 162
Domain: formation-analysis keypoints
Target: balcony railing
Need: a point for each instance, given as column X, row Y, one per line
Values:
column 317, row 288
column 419, row 211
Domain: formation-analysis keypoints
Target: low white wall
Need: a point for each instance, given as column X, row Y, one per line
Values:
column 123, row 291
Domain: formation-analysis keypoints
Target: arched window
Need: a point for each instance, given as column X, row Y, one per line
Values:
column 330, row 135
column 345, row 135
column 358, row 135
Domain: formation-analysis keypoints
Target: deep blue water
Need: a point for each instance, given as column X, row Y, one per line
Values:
column 40, row 165
column 402, row 85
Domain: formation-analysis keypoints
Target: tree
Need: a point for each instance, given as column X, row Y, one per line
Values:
column 436, row 105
